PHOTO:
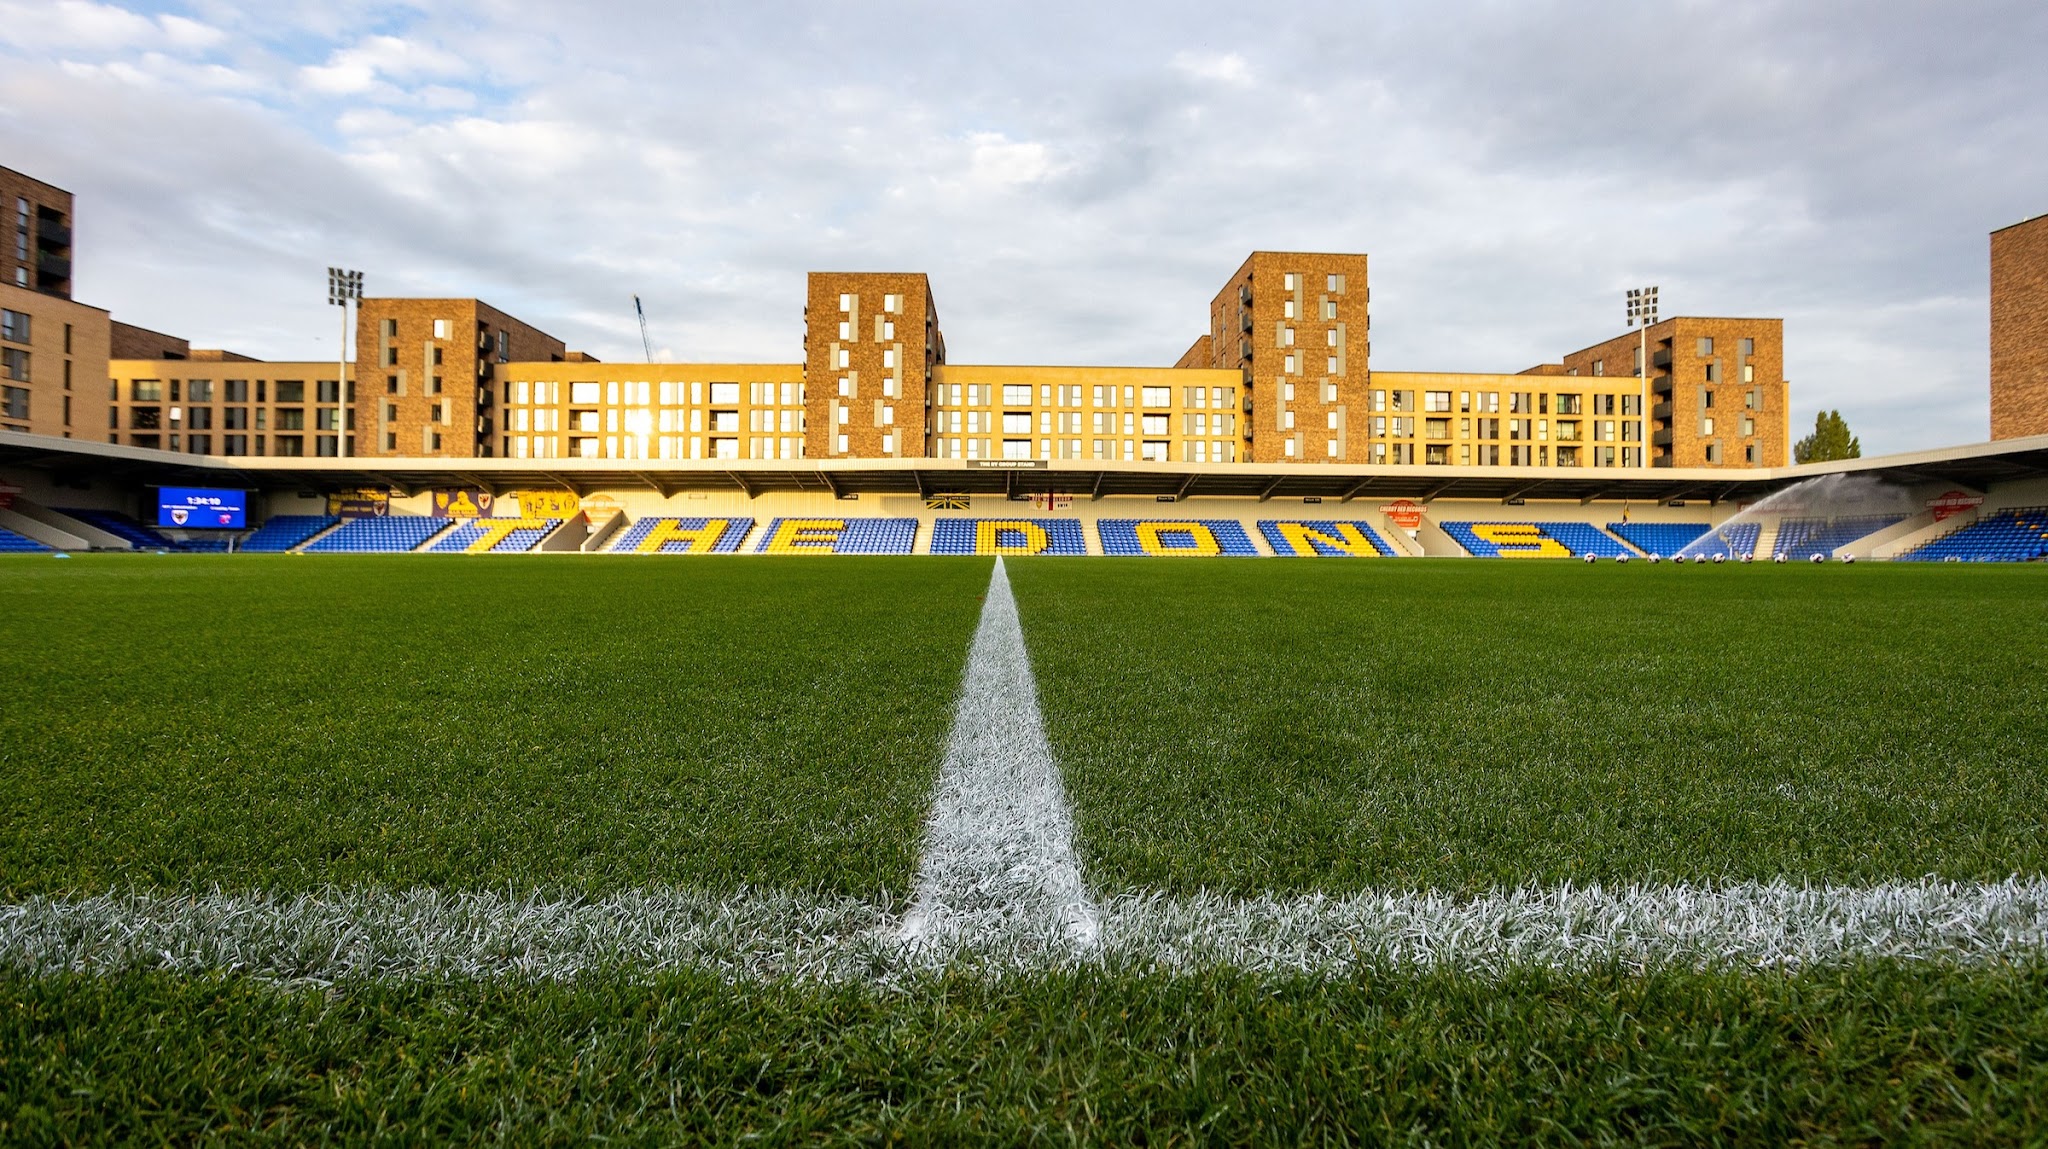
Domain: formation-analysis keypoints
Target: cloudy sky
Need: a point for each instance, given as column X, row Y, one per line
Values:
column 1077, row 179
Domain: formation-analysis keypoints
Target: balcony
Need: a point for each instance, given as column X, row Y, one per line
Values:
column 1244, row 319
column 1661, row 357
column 1661, row 384
column 51, row 234
column 50, row 265
column 1661, row 438
column 1662, row 412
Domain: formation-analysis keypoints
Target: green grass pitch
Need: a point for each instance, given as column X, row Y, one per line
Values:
column 1459, row 725
column 583, row 726
column 479, row 722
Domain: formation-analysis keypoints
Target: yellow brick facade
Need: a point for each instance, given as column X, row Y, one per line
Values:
column 653, row 411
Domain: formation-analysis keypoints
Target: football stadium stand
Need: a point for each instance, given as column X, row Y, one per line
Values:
column 1732, row 541
column 794, row 536
column 1324, row 538
column 13, row 544
column 676, row 536
column 1799, row 537
column 120, row 526
column 1533, row 540
column 283, row 532
column 1163, row 538
column 494, row 536
column 1008, row 537
column 2010, row 536
column 1658, row 538
column 381, row 535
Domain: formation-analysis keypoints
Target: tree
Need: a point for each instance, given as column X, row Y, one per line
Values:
column 1830, row 440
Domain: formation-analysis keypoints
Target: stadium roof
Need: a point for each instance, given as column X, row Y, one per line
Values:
column 1974, row 466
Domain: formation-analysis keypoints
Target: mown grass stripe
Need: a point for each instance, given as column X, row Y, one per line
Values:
column 756, row 935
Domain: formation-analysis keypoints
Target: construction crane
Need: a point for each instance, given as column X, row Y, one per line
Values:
column 644, row 344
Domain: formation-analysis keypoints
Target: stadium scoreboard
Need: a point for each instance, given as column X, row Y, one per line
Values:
column 201, row 507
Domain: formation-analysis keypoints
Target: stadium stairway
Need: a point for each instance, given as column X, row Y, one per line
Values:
column 1767, row 540
column 122, row 527
column 14, row 544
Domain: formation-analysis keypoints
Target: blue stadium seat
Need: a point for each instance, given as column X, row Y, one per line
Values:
column 1320, row 538
column 1156, row 538
column 1658, row 538
column 632, row 539
column 1801, row 536
column 827, row 535
column 1009, row 537
column 121, row 527
column 384, row 534
column 1533, row 540
column 2017, row 535
column 13, row 544
column 283, row 532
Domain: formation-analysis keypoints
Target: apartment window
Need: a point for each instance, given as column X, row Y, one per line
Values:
column 1158, row 397
column 290, row 391
column 1714, row 453
column 893, row 304
column 1707, row 426
column 1287, row 282
column 1713, row 372
column 1436, row 400
column 443, row 329
column 1599, row 366
column 1334, row 284
column 1749, row 453
column 1568, row 404
column 1291, row 365
column 1749, row 372
column 1706, row 345
column 1287, row 310
column 14, row 364
column 14, row 402
column 14, row 326
column 846, row 330
column 1379, row 400
column 1329, row 309
column 1287, row 337
column 391, row 357
column 1016, row 395
column 845, row 304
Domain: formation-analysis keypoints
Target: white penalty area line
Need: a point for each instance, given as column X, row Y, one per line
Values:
column 342, row 934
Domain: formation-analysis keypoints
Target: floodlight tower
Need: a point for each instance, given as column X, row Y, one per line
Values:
column 342, row 286
column 1642, row 313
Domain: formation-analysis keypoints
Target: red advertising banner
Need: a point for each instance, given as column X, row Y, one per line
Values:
column 1403, row 513
column 1953, row 503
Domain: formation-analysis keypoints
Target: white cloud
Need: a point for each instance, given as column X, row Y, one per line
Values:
column 1068, row 195
column 1222, row 68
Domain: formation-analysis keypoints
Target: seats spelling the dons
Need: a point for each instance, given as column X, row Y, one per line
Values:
column 1803, row 536
column 682, row 536
column 382, row 535
column 2011, row 536
column 283, row 532
column 1662, row 539
column 1170, row 538
column 121, row 527
column 1534, row 540
column 1324, row 538
column 823, row 536
column 495, row 536
column 1009, row 537
column 13, row 544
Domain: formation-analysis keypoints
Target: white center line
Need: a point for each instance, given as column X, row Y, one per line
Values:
column 998, row 871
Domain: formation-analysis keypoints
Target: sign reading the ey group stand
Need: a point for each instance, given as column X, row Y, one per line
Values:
column 201, row 507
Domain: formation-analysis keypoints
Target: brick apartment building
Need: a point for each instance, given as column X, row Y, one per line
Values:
column 2019, row 329
column 1281, row 376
